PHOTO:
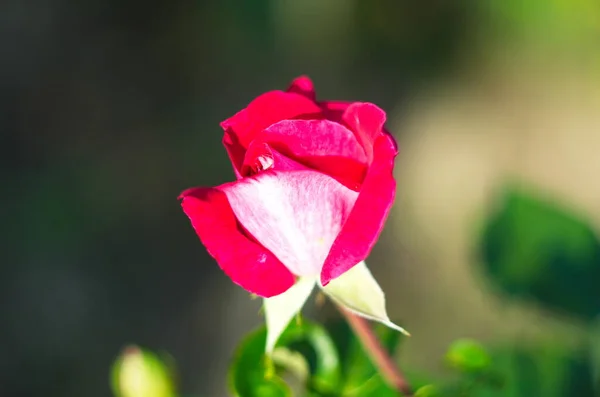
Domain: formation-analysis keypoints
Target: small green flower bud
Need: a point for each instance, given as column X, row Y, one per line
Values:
column 468, row 355
column 140, row 373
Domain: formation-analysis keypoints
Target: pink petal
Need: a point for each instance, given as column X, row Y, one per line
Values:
column 361, row 230
column 303, row 85
column 366, row 120
column 323, row 145
column 302, row 138
column 294, row 214
column 261, row 157
column 245, row 261
column 263, row 111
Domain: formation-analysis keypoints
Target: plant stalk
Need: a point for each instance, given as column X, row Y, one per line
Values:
column 381, row 359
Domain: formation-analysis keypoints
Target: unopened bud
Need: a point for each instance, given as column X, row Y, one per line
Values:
column 140, row 373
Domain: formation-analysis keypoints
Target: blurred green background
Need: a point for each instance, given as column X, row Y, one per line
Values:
column 110, row 108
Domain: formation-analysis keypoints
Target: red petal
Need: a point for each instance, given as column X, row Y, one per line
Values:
column 366, row 120
column 261, row 157
column 361, row 230
column 346, row 171
column 303, row 85
column 263, row 111
column 235, row 151
column 245, row 261
column 334, row 110
column 323, row 145
column 296, row 215
column 303, row 138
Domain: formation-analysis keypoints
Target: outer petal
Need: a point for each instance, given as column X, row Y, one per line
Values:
column 245, row 261
column 294, row 214
column 303, row 85
column 235, row 151
column 359, row 292
column 280, row 309
column 263, row 111
column 366, row 120
column 361, row 230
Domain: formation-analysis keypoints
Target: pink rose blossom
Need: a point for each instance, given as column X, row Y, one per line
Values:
column 314, row 188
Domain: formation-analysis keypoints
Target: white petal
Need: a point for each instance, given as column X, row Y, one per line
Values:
column 296, row 215
column 357, row 291
column 280, row 309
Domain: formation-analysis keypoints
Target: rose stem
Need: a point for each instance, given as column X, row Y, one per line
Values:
column 382, row 360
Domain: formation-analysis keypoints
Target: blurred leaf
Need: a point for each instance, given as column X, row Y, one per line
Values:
column 304, row 349
column 141, row 373
column 532, row 247
column 468, row 356
column 427, row 391
column 556, row 22
column 545, row 371
column 315, row 343
column 293, row 362
column 360, row 377
column 249, row 374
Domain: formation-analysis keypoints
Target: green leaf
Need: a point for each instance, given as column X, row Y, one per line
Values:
column 533, row 247
column 427, row 391
column 315, row 343
column 547, row 370
column 358, row 291
column 360, row 376
column 251, row 373
column 468, row 356
column 302, row 347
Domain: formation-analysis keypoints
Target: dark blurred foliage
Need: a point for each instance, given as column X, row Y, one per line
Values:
column 534, row 248
column 108, row 109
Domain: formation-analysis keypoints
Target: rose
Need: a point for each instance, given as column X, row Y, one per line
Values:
column 314, row 188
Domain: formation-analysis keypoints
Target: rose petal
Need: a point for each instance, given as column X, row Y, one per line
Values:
column 303, row 85
column 323, row 145
column 346, row 171
column 294, row 214
column 280, row 309
column 334, row 110
column 261, row 157
column 361, row 230
column 302, row 138
column 235, row 151
column 366, row 120
column 263, row 111
column 359, row 292
column 245, row 261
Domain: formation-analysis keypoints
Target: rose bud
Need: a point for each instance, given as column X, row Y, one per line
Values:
column 314, row 188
